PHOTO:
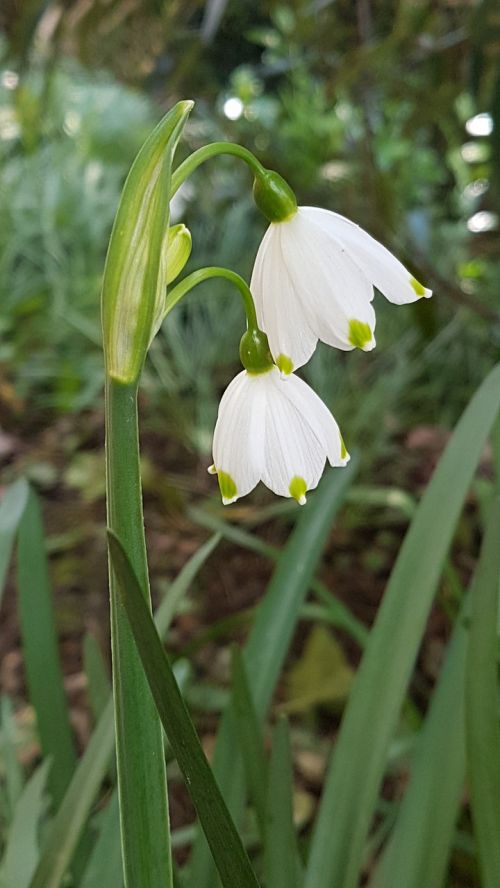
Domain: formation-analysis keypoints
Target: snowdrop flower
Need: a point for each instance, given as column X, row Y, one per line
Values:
column 313, row 279
column 274, row 430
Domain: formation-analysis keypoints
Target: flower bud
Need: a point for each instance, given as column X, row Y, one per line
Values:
column 178, row 246
column 274, row 197
column 135, row 273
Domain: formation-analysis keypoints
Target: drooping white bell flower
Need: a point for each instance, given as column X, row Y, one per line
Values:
column 313, row 279
column 273, row 430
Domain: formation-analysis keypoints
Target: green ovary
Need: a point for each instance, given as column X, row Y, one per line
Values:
column 227, row 486
column 360, row 333
column 298, row 489
column 418, row 287
column 285, row 364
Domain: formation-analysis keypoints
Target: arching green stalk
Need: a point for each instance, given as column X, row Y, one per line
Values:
column 213, row 150
column 205, row 274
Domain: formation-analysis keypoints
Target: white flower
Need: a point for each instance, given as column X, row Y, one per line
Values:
column 313, row 279
column 273, row 430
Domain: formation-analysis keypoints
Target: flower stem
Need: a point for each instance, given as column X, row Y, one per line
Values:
column 204, row 274
column 213, row 150
column 139, row 743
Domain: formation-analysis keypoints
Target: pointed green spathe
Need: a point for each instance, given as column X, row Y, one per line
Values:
column 135, row 271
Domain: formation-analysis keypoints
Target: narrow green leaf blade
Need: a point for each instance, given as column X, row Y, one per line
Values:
column 419, row 847
column 21, row 853
column 98, row 682
column 11, row 509
column 12, row 768
column 359, row 757
column 40, row 649
column 105, row 862
column 483, row 731
column 281, row 854
column 228, row 851
column 250, row 739
column 270, row 637
column 67, row 825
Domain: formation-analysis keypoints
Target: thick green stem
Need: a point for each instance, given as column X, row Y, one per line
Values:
column 139, row 744
column 213, row 150
column 204, row 274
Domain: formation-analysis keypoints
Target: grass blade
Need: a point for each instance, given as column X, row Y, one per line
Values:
column 21, row 853
column 12, row 769
column 419, row 847
column 11, row 509
column 250, row 740
column 98, row 683
column 274, row 624
column 359, row 757
column 105, row 862
column 483, row 732
column 72, row 815
column 281, row 853
column 73, row 812
column 228, row 851
column 41, row 657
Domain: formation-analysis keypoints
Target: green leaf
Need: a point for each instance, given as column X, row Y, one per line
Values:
column 67, row 826
column 228, row 851
column 281, row 854
column 168, row 606
column 371, row 714
column 98, row 683
column 11, row 766
column 11, row 509
column 22, row 850
column 250, row 740
column 419, row 847
column 72, row 814
column 41, row 656
column 105, row 862
column 272, row 631
column 483, row 731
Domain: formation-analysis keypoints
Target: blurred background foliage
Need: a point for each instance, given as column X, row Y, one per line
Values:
column 382, row 111
column 387, row 111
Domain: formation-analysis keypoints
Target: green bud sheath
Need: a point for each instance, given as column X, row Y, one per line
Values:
column 273, row 196
column 134, row 264
column 254, row 351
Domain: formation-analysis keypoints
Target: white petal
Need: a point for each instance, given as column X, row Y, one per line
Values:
column 386, row 272
column 334, row 290
column 238, row 437
column 279, row 310
column 291, row 450
column 317, row 416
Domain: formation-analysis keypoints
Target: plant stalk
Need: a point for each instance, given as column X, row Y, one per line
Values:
column 139, row 745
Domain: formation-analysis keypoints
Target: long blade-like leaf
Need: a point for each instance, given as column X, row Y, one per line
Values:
column 371, row 714
column 73, row 811
column 250, row 740
column 281, row 855
column 483, row 731
column 21, row 852
column 228, row 851
column 419, row 847
column 270, row 637
column 41, row 657
column 67, row 826
column 11, row 509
